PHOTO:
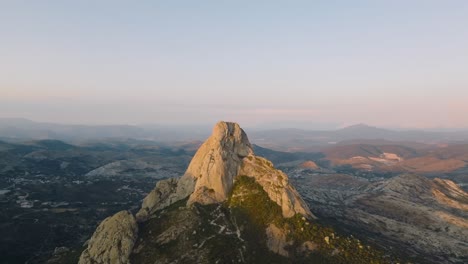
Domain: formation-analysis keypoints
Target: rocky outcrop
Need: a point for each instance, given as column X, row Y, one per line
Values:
column 226, row 155
column 210, row 176
column 276, row 240
column 276, row 185
column 157, row 198
column 239, row 209
column 217, row 162
column 113, row 240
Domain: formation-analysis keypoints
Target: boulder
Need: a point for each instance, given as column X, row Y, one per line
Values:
column 113, row 240
column 157, row 199
column 276, row 240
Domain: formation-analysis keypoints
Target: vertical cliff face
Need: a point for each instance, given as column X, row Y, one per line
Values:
column 210, row 176
column 217, row 163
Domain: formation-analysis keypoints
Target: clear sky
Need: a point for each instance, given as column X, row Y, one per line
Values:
column 386, row 63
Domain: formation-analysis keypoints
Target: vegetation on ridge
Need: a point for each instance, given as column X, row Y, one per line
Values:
column 249, row 203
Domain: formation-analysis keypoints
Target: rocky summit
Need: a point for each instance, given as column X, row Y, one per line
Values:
column 230, row 206
column 210, row 175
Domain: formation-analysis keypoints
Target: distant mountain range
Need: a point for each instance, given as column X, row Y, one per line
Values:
column 279, row 139
column 308, row 140
column 12, row 129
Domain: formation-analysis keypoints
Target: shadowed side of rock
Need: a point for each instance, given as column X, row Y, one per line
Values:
column 158, row 198
column 217, row 162
column 113, row 240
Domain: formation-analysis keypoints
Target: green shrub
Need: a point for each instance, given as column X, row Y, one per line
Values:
column 250, row 204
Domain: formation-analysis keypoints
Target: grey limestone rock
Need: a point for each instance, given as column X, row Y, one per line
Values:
column 158, row 198
column 276, row 240
column 210, row 176
column 113, row 240
column 217, row 162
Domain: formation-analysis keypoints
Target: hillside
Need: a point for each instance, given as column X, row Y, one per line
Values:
column 422, row 218
column 399, row 158
column 229, row 207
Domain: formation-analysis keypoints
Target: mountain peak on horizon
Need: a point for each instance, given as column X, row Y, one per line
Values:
column 359, row 126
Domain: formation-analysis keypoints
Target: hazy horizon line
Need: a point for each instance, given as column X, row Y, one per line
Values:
column 281, row 125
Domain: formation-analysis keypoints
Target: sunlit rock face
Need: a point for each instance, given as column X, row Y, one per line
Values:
column 210, row 176
column 217, row 162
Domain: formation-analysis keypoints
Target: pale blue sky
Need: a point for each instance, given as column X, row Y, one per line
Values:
column 386, row 63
